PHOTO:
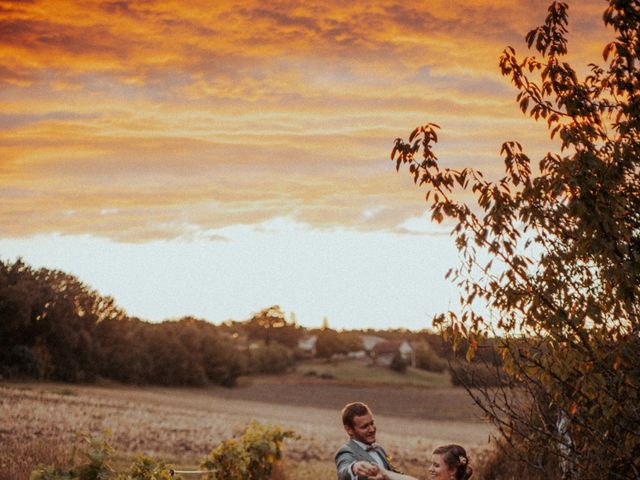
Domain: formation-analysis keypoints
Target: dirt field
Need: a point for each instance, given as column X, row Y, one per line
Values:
column 182, row 425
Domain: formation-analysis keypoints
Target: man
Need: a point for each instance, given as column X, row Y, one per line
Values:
column 360, row 458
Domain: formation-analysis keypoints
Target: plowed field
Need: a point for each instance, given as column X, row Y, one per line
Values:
column 182, row 425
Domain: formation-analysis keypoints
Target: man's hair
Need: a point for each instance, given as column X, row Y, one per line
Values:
column 352, row 410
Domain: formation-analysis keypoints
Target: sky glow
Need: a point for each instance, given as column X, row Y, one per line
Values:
column 215, row 158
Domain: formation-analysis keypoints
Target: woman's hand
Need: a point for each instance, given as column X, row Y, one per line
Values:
column 387, row 475
column 380, row 476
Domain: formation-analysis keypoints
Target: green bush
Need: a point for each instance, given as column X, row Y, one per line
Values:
column 251, row 457
column 427, row 359
column 147, row 468
column 97, row 453
column 398, row 363
column 24, row 362
column 273, row 358
column 228, row 461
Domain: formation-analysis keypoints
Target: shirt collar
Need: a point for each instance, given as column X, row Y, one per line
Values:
column 362, row 445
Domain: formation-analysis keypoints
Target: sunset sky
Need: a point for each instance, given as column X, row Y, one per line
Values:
column 213, row 158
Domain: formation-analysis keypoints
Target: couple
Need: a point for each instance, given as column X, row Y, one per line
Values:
column 361, row 458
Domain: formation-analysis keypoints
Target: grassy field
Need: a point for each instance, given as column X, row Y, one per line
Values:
column 40, row 421
column 360, row 371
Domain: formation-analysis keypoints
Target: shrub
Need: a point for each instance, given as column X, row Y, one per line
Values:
column 147, row 468
column 252, row 457
column 398, row 363
column 427, row 359
column 97, row 452
column 476, row 373
column 501, row 463
column 23, row 362
column 228, row 461
column 273, row 358
column 329, row 343
column 97, row 466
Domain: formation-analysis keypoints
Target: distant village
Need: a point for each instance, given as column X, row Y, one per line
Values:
column 276, row 344
column 378, row 349
column 397, row 349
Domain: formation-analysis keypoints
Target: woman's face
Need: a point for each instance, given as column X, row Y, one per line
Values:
column 439, row 470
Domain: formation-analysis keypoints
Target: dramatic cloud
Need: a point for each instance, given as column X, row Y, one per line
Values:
column 139, row 120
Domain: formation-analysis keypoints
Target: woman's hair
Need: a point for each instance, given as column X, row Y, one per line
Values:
column 455, row 457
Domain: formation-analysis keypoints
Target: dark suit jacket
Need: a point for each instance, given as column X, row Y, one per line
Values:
column 351, row 452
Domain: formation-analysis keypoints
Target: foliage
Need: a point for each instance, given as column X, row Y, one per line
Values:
column 96, row 452
column 264, row 445
column 330, row 343
column 351, row 341
column 273, row 358
column 427, row 359
column 23, row 361
column 475, row 373
column 398, row 363
column 270, row 325
column 501, row 463
column 229, row 460
column 50, row 317
column 251, row 457
column 191, row 352
column 563, row 248
column 148, row 468
column 60, row 329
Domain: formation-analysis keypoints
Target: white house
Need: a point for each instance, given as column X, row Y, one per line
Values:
column 370, row 341
column 307, row 345
column 383, row 352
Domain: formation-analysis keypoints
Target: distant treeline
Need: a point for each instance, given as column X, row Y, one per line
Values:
column 54, row 327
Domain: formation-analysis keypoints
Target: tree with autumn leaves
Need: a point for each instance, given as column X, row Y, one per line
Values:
column 554, row 252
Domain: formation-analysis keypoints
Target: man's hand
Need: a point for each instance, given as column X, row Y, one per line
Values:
column 366, row 469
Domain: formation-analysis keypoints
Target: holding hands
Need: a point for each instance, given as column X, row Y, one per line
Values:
column 367, row 469
column 373, row 472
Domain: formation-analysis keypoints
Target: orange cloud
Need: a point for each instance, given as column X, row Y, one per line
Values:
column 158, row 119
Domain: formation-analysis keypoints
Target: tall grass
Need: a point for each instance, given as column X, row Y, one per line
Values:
column 18, row 457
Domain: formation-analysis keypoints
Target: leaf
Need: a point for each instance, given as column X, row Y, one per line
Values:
column 470, row 354
column 607, row 50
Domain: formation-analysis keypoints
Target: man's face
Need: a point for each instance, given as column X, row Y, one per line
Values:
column 364, row 429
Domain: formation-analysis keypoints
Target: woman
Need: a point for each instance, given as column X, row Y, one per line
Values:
column 450, row 462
